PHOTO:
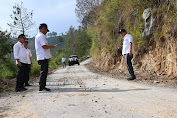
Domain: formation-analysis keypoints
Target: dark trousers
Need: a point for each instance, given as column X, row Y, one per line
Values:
column 43, row 73
column 128, row 59
column 64, row 64
column 21, row 76
column 27, row 72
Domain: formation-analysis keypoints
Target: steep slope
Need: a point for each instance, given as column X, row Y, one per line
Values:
column 153, row 27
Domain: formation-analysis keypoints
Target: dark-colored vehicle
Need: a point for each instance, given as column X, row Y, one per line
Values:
column 73, row 59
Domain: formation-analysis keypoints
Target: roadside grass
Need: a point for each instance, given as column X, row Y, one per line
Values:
column 8, row 69
column 35, row 70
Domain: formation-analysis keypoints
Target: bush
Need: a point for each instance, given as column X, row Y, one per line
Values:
column 8, row 69
column 35, row 70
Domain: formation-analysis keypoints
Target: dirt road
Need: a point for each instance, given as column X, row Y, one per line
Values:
column 79, row 93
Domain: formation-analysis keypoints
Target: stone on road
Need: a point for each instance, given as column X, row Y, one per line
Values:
column 79, row 93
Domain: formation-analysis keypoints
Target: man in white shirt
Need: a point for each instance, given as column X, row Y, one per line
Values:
column 64, row 62
column 29, row 63
column 127, row 52
column 21, row 61
column 43, row 55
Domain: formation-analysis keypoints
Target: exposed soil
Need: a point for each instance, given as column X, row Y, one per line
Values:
column 9, row 85
column 161, row 80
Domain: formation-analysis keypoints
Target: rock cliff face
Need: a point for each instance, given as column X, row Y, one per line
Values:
column 161, row 60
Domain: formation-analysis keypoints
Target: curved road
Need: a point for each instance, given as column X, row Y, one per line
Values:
column 79, row 93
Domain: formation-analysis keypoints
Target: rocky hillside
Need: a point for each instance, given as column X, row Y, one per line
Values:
column 153, row 25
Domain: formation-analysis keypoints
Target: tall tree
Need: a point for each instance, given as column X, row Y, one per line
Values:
column 22, row 20
column 85, row 10
column 77, row 42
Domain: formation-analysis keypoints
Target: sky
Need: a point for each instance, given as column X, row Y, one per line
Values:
column 59, row 15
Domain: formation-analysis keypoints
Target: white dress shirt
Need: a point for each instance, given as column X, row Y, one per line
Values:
column 126, row 44
column 28, row 55
column 41, row 53
column 19, row 52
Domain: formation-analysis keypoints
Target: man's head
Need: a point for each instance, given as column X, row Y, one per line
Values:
column 43, row 28
column 123, row 32
column 25, row 44
column 21, row 38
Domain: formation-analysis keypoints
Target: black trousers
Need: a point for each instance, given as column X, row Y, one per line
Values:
column 128, row 59
column 43, row 73
column 27, row 72
column 21, row 76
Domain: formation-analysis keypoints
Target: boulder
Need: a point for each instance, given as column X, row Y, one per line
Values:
column 149, row 23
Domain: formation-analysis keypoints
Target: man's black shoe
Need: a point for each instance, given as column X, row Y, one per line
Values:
column 131, row 78
column 24, row 88
column 20, row 89
column 47, row 89
column 42, row 90
column 28, row 85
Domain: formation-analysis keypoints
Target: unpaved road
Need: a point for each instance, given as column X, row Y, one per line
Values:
column 79, row 93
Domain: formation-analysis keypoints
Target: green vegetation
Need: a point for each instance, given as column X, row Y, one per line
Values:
column 7, row 67
column 35, row 70
column 77, row 42
column 55, row 61
column 113, row 15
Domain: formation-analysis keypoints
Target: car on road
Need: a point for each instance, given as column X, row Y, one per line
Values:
column 73, row 59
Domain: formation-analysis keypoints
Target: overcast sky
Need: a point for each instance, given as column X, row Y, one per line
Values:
column 58, row 14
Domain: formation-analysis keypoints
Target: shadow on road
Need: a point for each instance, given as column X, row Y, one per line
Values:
column 61, row 88
column 93, row 90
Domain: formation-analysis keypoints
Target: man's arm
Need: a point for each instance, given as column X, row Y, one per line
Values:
column 31, row 62
column 43, row 43
column 30, row 55
column 16, row 54
column 48, row 46
column 131, row 54
column 19, row 63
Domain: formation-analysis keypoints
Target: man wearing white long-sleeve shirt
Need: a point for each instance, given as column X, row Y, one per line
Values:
column 127, row 52
column 21, row 61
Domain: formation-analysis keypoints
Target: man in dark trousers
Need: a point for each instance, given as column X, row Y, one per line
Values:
column 127, row 52
column 43, row 55
column 20, row 56
column 29, row 63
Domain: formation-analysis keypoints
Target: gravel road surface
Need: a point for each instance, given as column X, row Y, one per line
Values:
column 79, row 93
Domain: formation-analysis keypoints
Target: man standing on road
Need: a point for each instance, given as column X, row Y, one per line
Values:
column 20, row 56
column 29, row 63
column 43, row 55
column 64, row 62
column 127, row 52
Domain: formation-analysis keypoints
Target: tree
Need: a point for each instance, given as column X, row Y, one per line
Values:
column 77, row 42
column 52, row 34
column 85, row 10
column 8, row 68
column 22, row 20
column 5, row 45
